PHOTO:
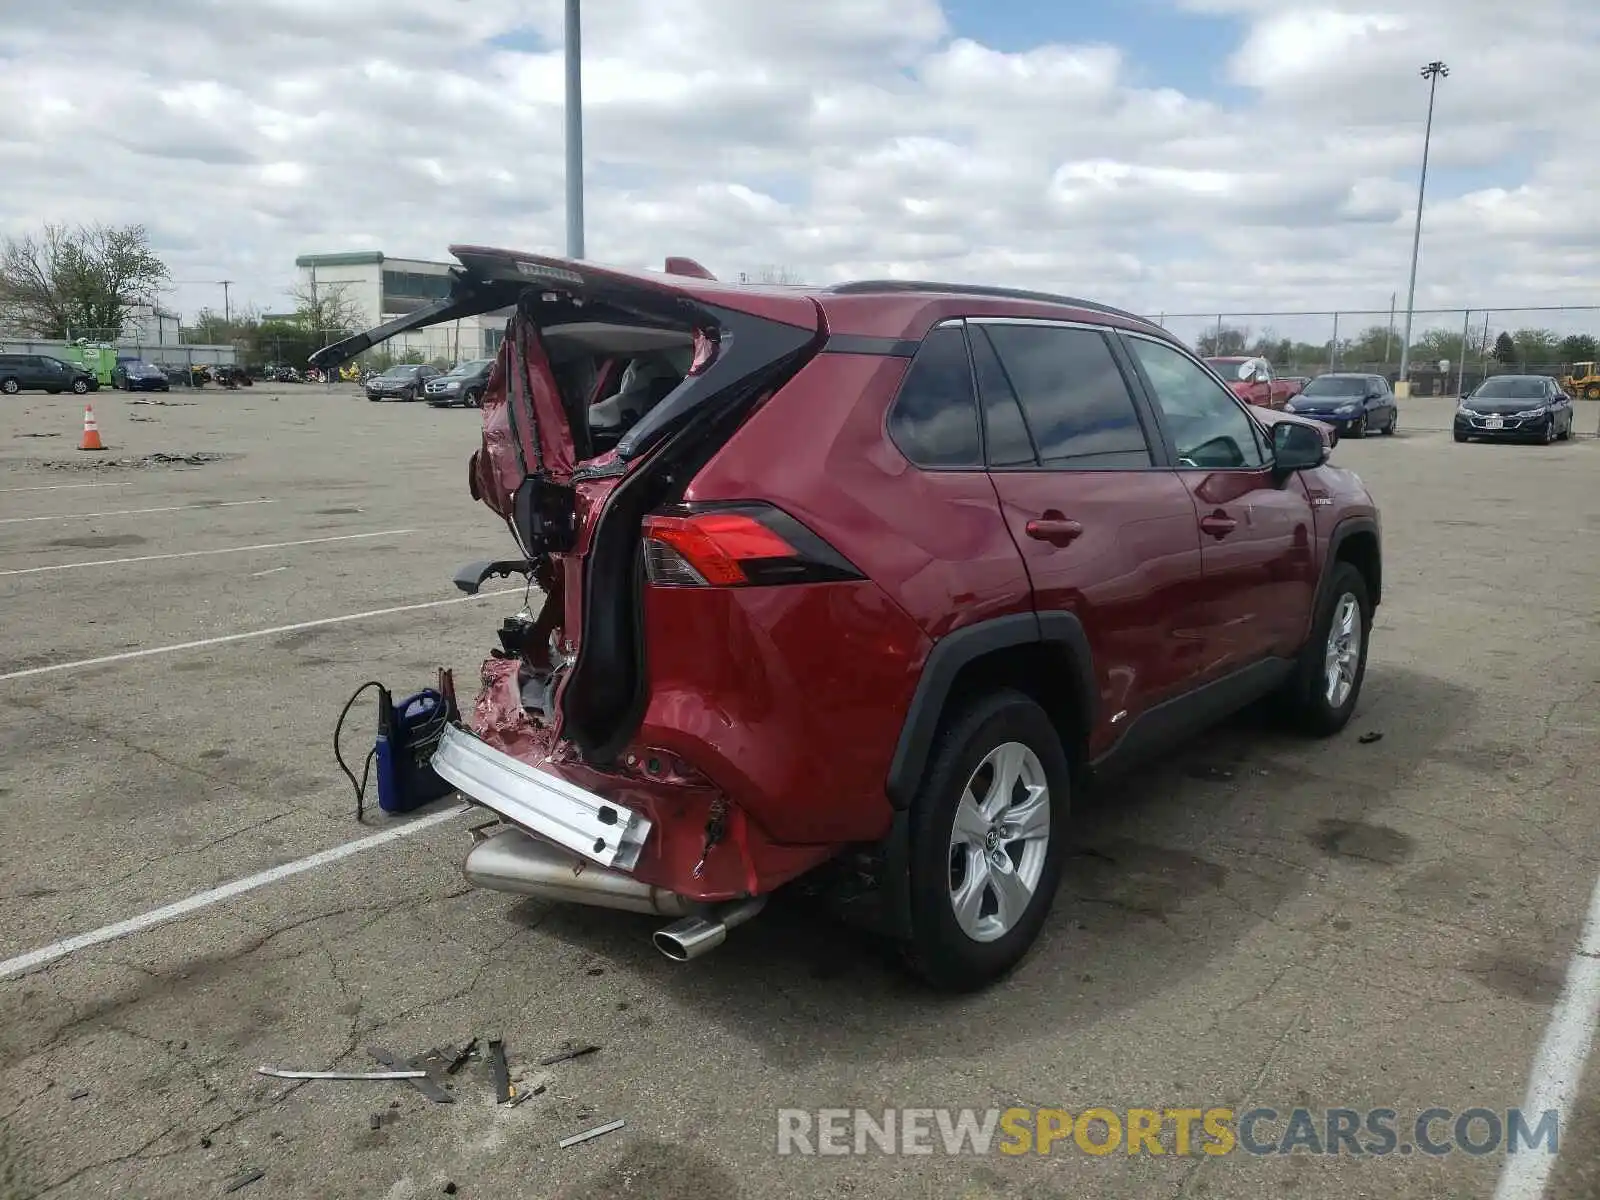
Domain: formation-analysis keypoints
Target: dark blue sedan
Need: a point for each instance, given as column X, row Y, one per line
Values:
column 1355, row 405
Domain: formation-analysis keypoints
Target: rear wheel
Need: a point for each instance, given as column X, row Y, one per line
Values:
column 988, row 836
column 1322, row 692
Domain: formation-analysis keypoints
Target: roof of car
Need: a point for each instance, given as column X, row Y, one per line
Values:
column 1492, row 378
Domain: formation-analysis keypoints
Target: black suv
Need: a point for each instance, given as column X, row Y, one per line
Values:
column 42, row 373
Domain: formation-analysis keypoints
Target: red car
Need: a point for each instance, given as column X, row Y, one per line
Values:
column 1254, row 381
column 883, row 572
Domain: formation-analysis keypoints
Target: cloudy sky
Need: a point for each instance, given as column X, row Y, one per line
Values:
column 1170, row 155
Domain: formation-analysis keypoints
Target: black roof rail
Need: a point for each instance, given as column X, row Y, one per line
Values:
column 867, row 287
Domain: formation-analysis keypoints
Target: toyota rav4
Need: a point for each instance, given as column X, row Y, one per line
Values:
column 882, row 573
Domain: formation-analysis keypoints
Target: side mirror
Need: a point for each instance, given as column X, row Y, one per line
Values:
column 1297, row 447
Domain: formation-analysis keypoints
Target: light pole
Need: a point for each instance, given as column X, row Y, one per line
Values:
column 1431, row 73
column 574, row 132
column 227, row 309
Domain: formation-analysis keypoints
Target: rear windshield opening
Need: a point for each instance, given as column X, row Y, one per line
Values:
column 616, row 373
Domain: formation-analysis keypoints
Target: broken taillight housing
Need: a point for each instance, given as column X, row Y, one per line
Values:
column 736, row 545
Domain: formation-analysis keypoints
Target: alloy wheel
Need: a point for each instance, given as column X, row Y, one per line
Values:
column 999, row 842
column 1342, row 655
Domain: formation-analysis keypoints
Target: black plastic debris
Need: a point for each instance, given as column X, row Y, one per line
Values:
column 1366, row 739
column 550, row 1060
column 245, row 1179
column 500, row 1071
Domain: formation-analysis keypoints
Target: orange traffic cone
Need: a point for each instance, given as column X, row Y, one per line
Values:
column 91, row 431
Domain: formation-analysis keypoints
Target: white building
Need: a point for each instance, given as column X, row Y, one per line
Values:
column 383, row 288
column 150, row 325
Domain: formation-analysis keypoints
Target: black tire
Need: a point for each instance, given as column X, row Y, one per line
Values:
column 474, row 398
column 1394, row 420
column 1550, row 432
column 1359, row 429
column 1592, row 392
column 1305, row 695
column 10, row 386
column 1566, row 434
column 1460, row 437
column 80, row 387
column 939, row 950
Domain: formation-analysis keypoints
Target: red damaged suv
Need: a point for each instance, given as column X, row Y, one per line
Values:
column 882, row 573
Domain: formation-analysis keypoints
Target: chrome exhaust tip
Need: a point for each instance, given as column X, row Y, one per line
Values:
column 697, row 935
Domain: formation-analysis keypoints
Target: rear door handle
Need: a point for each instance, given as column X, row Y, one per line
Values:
column 1218, row 525
column 1054, row 528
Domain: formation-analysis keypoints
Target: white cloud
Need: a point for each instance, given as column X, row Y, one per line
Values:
column 837, row 138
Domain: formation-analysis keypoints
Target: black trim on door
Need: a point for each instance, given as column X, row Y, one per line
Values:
column 881, row 347
column 1164, row 725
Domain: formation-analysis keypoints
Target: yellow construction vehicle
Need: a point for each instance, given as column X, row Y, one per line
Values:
column 1584, row 381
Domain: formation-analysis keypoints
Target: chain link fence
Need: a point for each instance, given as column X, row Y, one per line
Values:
column 1452, row 349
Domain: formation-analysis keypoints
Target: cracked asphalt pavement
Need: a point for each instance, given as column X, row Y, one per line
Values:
column 1254, row 921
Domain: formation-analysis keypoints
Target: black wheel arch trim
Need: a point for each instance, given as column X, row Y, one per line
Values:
column 955, row 651
column 1342, row 532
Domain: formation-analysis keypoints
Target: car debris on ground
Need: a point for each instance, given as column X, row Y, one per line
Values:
column 244, row 1179
column 550, row 1060
column 279, row 1073
column 597, row 1131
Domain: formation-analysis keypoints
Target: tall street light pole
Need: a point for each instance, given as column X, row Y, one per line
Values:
column 574, row 132
column 1431, row 73
column 227, row 309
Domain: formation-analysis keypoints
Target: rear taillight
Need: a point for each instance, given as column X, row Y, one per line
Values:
column 736, row 545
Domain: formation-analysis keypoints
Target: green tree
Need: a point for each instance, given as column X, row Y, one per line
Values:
column 1505, row 349
column 1579, row 347
column 210, row 328
column 281, row 341
column 1224, row 341
column 1441, row 343
column 1537, row 347
column 80, row 282
column 1375, row 344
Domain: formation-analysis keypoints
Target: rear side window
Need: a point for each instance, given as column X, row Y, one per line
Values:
column 1073, row 397
column 935, row 417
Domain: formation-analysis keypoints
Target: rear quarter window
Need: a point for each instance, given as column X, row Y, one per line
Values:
column 934, row 419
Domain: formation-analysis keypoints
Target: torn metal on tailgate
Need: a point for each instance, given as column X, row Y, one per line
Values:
column 599, row 829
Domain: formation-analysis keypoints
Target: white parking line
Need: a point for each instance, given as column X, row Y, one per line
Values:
column 116, row 562
column 131, row 512
column 1558, row 1066
column 65, row 487
column 179, row 908
column 127, row 655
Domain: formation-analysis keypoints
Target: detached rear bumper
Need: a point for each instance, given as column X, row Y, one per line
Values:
column 591, row 826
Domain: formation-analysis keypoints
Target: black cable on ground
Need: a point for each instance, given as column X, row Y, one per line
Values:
column 338, row 728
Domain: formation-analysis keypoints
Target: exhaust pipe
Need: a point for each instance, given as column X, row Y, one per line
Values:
column 697, row 935
column 513, row 861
